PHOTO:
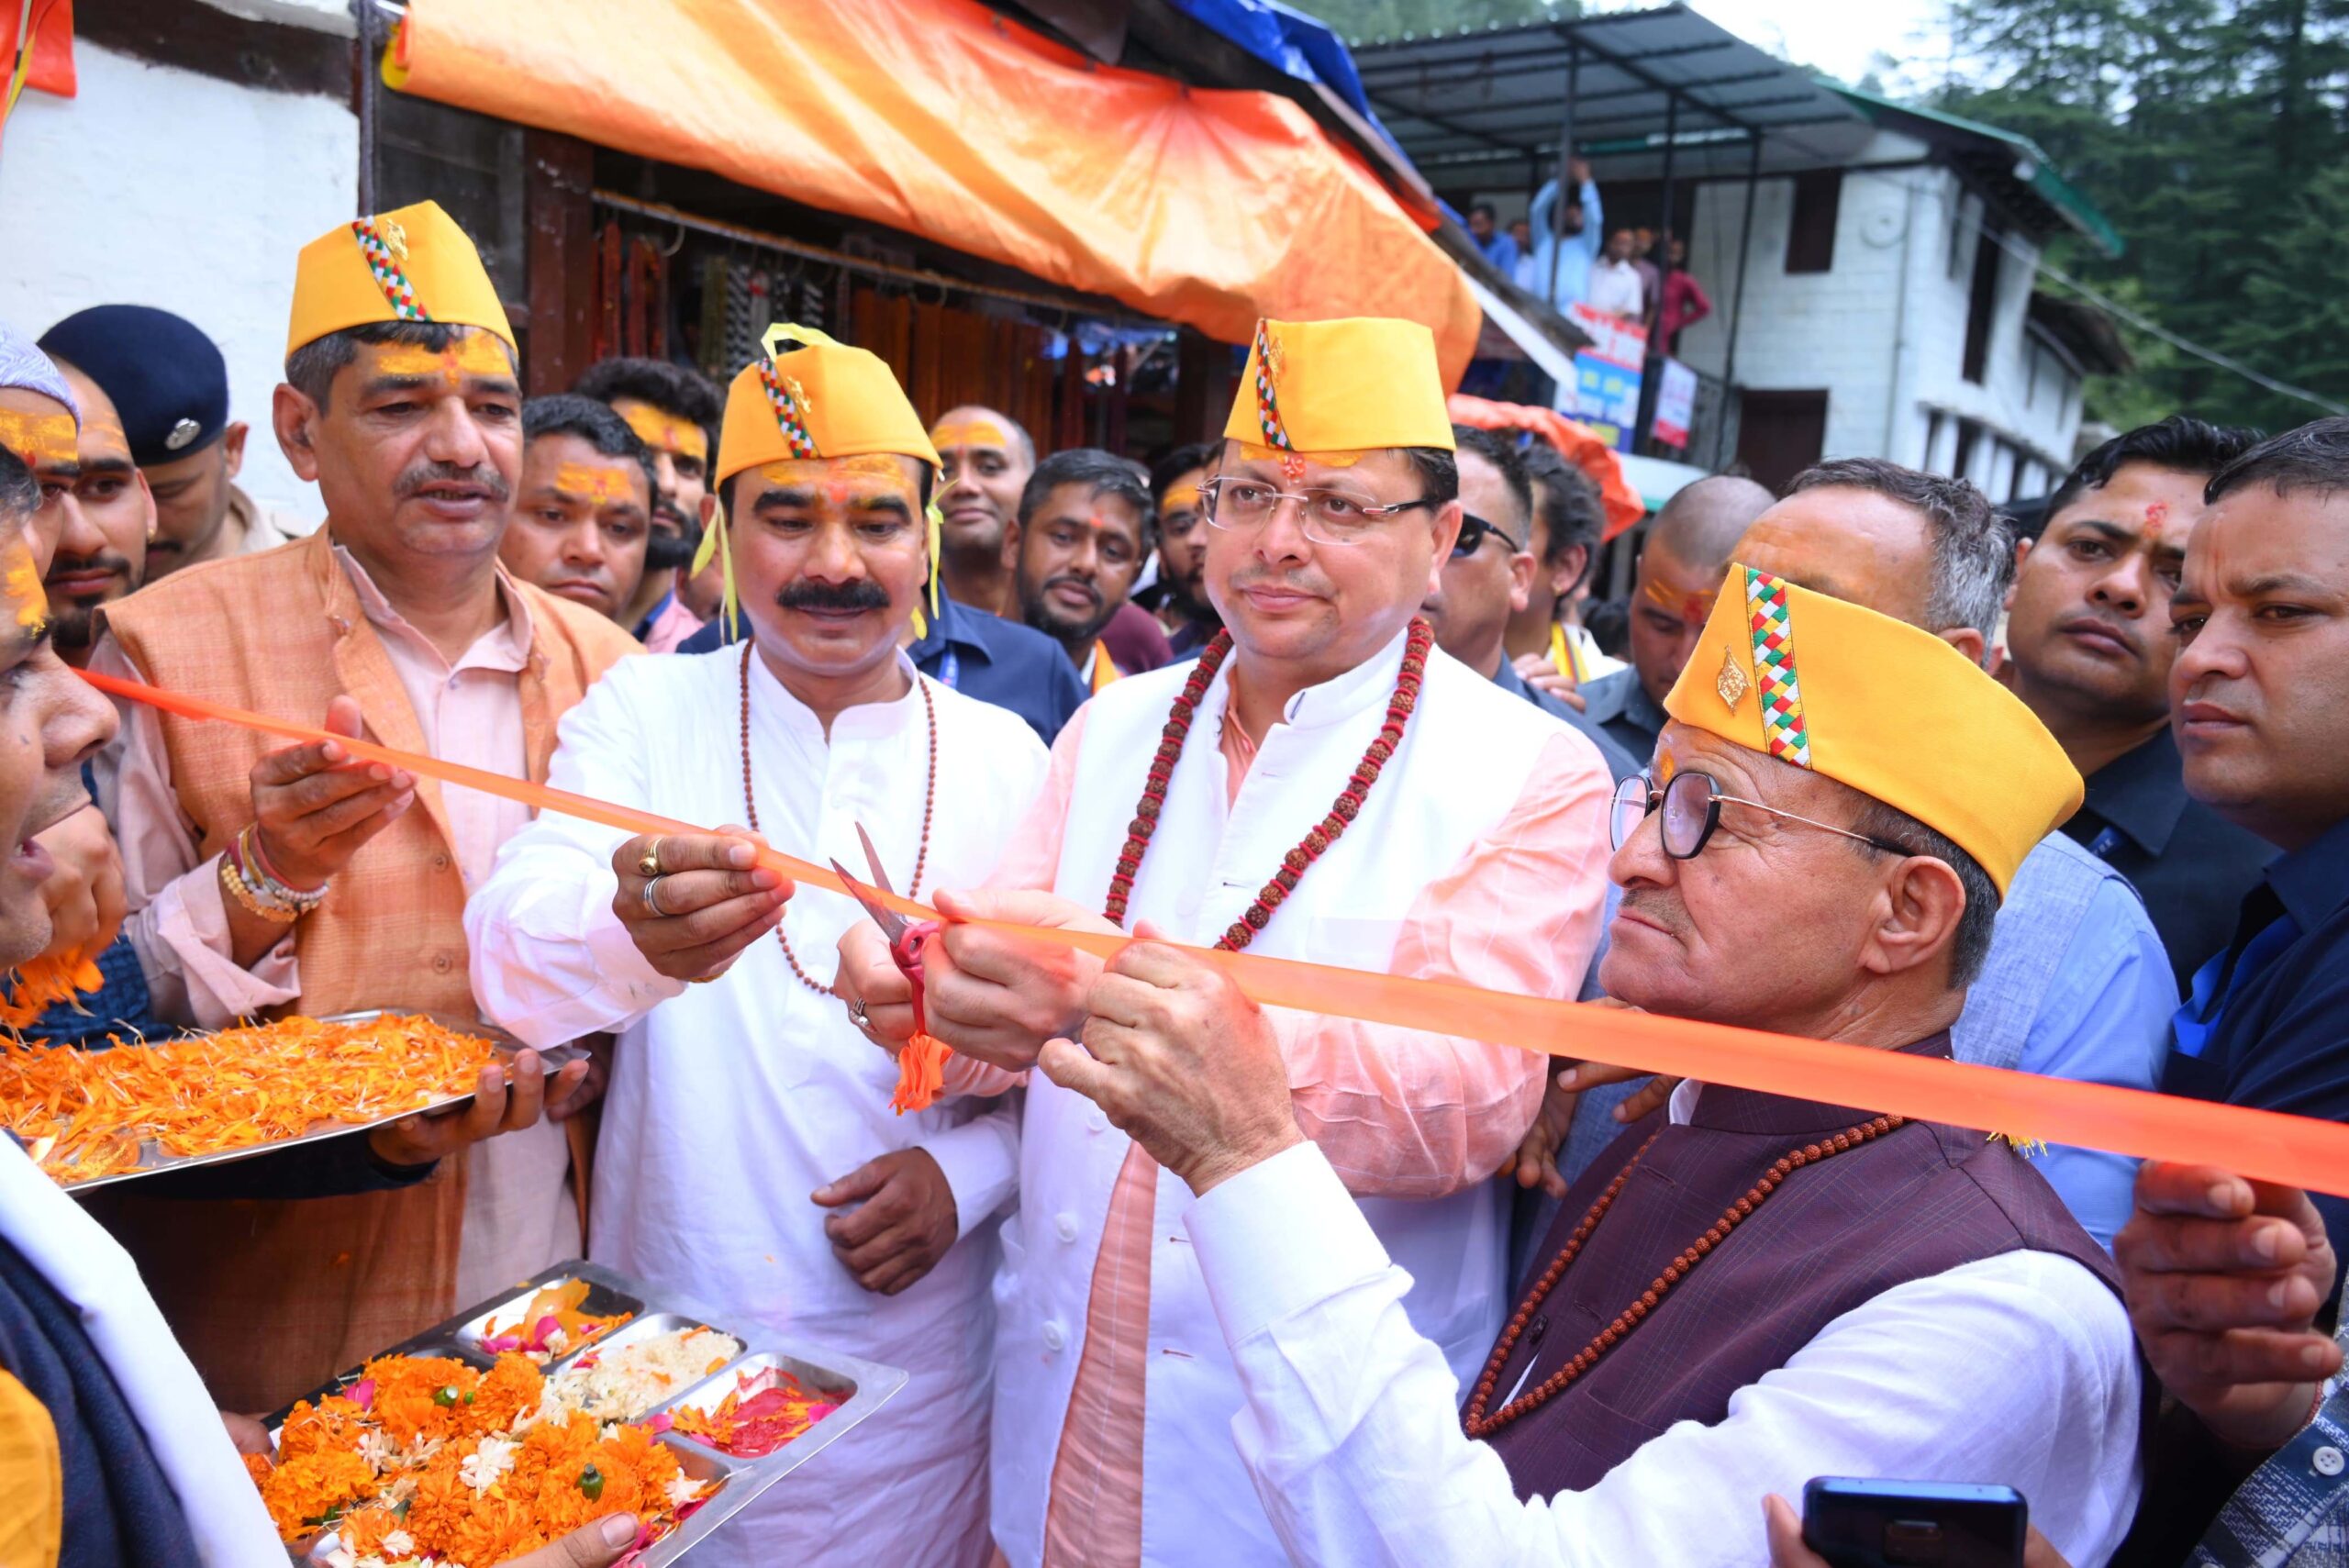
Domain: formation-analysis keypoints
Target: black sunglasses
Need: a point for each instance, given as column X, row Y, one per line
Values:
column 1473, row 530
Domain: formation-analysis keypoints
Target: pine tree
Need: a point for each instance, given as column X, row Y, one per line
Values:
column 2211, row 134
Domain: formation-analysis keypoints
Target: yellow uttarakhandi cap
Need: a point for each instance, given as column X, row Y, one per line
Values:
column 822, row 399
column 414, row 264
column 1877, row 704
column 1357, row 384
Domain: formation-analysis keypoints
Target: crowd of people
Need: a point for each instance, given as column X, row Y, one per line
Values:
column 1179, row 1277
column 1565, row 255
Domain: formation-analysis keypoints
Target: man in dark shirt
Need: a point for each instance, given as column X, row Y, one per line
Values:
column 2088, row 648
column 2259, row 702
column 1681, row 566
column 1490, row 573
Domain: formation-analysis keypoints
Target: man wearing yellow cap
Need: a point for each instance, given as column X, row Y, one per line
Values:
column 266, row 880
column 1746, row 1291
column 749, row 1156
column 1324, row 785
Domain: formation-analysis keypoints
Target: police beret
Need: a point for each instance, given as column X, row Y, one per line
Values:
column 166, row 378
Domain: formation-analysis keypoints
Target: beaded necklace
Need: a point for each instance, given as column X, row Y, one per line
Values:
column 929, row 804
column 1323, row 833
column 1477, row 1424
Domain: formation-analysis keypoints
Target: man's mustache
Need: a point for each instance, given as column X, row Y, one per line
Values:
column 1067, row 581
column 1655, row 904
column 103, row 561
column 809, row 594
column 412, row 483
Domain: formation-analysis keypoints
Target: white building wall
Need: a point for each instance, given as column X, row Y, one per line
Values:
column 1888, row 356
column 159, row 187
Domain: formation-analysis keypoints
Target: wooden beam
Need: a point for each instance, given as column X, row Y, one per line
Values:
column 562, row 259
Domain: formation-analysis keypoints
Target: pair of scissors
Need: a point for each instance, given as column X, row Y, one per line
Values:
column 904, row 936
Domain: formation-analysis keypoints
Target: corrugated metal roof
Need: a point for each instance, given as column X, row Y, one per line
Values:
column 2019, row 161
column 1487, row 105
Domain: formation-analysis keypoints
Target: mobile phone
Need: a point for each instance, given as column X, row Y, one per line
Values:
column 1913, row 1524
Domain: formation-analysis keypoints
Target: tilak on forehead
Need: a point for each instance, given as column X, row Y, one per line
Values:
column 1691, row 608
column 969, row 433
column 472, row 355
column 412, row 264
column 663, row 431
column 1332, row 391
column 41, row 441
column 1892, row 711
column 27, row 601
column 811, row 400
column 600, row 485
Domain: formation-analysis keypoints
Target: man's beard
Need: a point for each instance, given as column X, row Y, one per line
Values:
column 1191, row 603
column 73, row 629
column 1039, row 613
column 664, row 551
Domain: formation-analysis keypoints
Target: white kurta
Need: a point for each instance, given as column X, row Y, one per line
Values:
column 85, row 1266
column 731, row 1102
column 2017, row 1369
column 1477, row 857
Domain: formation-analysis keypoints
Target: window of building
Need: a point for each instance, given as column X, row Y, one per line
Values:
column 1969, row 434
column 1810, row 230
column 1982, row 304
column 1965, row 220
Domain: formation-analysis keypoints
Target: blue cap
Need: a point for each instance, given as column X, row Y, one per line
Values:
column 166, row 378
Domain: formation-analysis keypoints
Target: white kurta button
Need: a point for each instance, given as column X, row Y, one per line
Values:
column 1056, row 1338
column 1065, row 1227
column 2327, row 1460
column 1096, row 1121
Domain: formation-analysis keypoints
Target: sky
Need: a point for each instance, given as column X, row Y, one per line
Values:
column 1842, row 37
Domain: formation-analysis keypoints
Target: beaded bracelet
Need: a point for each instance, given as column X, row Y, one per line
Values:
column 254, row 862
column 233, row 884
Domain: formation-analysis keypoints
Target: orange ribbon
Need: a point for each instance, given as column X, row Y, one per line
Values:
column 2301, row 1151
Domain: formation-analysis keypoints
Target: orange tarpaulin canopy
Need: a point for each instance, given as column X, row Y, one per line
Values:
column 939, row 118
column 1578, row 444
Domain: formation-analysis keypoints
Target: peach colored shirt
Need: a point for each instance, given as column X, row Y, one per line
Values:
column 518, row 1206
column 1384, row 1133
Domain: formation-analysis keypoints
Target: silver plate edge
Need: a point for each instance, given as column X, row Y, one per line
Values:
column 876, row 1385
column 506, row 1044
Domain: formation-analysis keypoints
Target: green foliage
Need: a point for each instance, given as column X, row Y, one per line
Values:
column 2212, row 134
column 1358, row 19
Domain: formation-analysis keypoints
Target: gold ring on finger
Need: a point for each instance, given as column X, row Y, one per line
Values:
column 651, row 897
column 648, row 864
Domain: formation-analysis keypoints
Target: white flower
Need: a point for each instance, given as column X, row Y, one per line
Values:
column 342, row 1557
column 557, row 1340
column 377, row 1450
column 684, row 1489
column 399, row 1543
column 480, row 1468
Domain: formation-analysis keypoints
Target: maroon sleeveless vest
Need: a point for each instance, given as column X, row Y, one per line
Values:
column 1911, row 1204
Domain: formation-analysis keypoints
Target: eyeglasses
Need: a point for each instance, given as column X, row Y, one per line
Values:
column 1692, row 809
column 1330, row 516
column 1473, row 530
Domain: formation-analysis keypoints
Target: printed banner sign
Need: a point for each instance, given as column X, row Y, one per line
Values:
column 1605, row 394
column 1675, row 403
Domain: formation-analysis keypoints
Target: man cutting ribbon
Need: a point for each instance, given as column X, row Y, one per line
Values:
column 1746, row 1290
column 732, row 1101
column 1322, row 785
